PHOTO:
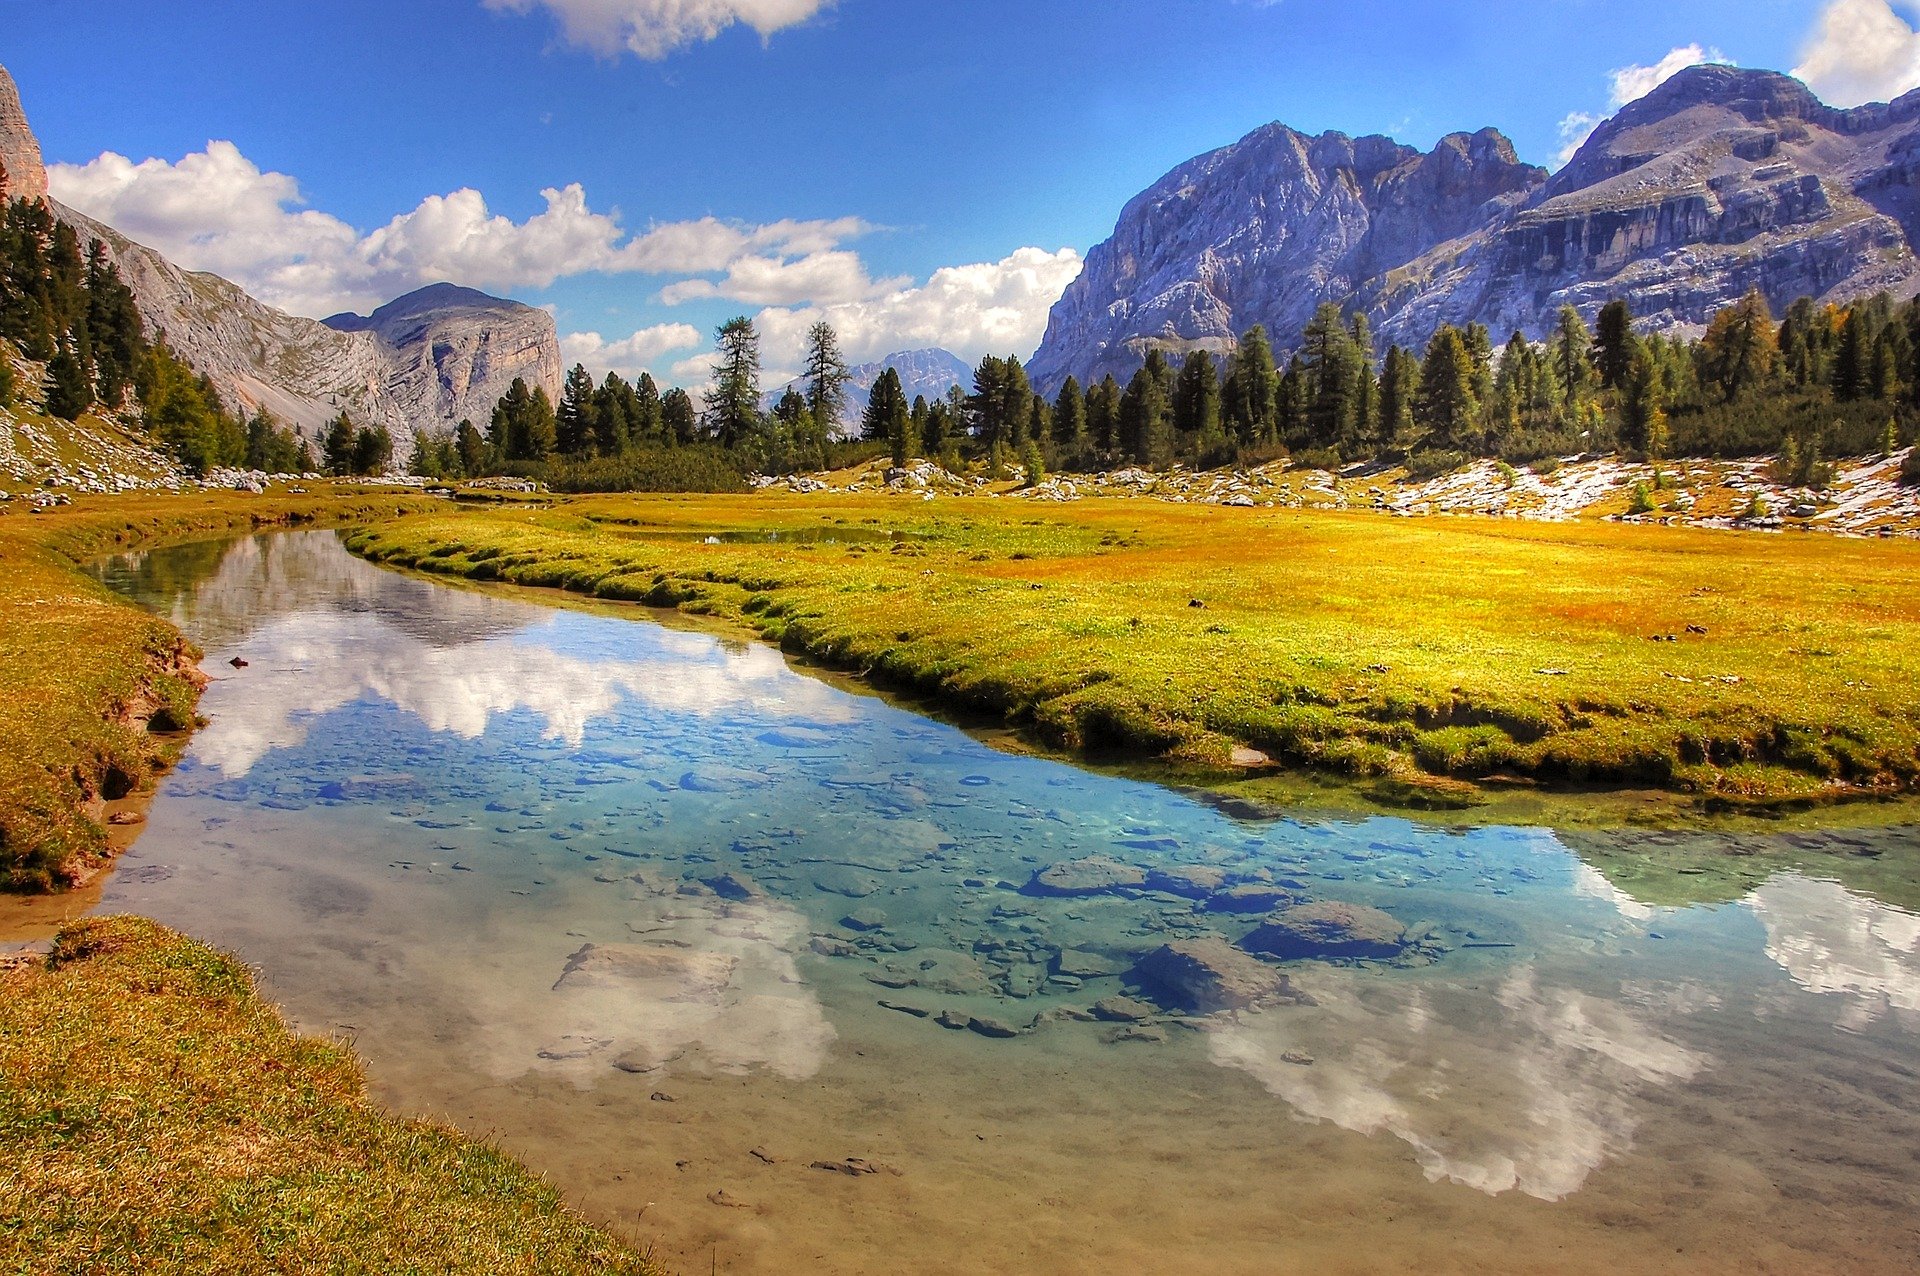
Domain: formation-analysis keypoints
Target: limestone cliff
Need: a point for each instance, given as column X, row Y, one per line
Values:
column 26, row 176
column 1719, row 181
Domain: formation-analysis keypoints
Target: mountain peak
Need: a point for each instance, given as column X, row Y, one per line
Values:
column 422, row 301
column 26, row 175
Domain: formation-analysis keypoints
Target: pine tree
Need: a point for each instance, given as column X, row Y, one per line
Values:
column 1738, row 352
column 1253, row 408
column 1399, row 391
column 888, row 416
column 678, row 419
column 1447, row 406
column 1070, row 422
column 1145, row 425
column 1640, row 402
column 826, row 376
column 372, row 450
column 470, row 446
column 1103, row 414
column 1330, row 370
column 1572, row 365
column 68, row 394
column 733, row 404
column 575, row 427
column 1196, row 398
column 1613, row 344
column 337, row 447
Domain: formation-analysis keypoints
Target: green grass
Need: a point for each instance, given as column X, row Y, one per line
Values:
column 156, row 1115
column 1421, row 652
column 93, row 690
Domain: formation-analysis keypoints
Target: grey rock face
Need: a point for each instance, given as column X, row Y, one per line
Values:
column 26, row 176
column 1719, row 181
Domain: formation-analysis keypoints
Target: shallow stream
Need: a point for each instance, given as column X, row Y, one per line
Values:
column 686, row 929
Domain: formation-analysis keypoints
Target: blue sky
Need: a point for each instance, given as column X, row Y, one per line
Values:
column 920, row 172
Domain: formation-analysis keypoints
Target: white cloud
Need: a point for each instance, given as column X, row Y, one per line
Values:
column 995, row 307
column 823, row 279
column 217, row 210
column 1861, row 51
column 1629, row 84
column 652, row 29
column 629, row 356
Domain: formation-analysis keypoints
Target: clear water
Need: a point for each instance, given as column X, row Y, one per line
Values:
column 417, row 805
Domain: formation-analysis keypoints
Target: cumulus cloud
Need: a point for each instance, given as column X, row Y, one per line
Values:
column 997, row 307
column 217, row 210
column 652, row 29
column 1629, row 84
column 629, row 356
column 1861, row 51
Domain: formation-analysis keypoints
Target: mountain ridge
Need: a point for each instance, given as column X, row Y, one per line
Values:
column 1719, row 180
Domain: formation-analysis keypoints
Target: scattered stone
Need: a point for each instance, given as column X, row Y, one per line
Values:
column 656, row 971
column 901, row 1006
column 796, row 738
column 1207, row 974
column 1329, row 929
column 732, row 886
column 764, row 1156
column 1298, row 1058
column 121, row 819
column 1249, row 897
column 989, row 1027
column 1123, row 1010
column 1095, row 875
column 827, row 946
column 644, row 1059
column 237, row 663
column 835, row 879
column 721, row 1196
column 661, row 1096
column 953, row 1020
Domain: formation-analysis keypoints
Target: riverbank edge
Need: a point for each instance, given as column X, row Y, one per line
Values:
column 98, row 696
column 156, row 1111
column 1081, row 726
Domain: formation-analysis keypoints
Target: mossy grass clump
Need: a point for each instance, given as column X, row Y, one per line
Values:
column 157, row 1115
column 1736, row 669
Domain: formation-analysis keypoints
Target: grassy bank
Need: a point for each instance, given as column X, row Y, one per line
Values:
column 94, row 691
column 156, row 1115
column 1422, row 652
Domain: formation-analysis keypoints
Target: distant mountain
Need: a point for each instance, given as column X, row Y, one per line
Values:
column 452, row 352
column 426, row 360
column 1719, row 181
column 928, row 373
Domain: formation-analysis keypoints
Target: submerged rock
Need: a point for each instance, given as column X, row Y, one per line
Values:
column 1329, row 929
column 1123, row 1010
column 1077, row 964
column 1249, row 897
column 1195, row 881
column 661, row 972
column 1095, row 875
column 1207, row 974
column 865, row 919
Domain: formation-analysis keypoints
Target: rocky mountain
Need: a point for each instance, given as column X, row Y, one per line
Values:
column 928, row 373
column 424, row 361
column 1719, row 181
column 451, row 352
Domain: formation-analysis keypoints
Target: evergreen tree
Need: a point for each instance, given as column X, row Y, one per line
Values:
column 1613, row 344
column 576, row 429
column 826, row 377
column 337, row 447
column 1640, row 402
column 1330, row 372
column 888, row 416
column 372, row 450
column 1196, row 398
column 677, row 417
column 1399, row 391
column 1103, row 414
column 470, row 446
column 1146, row 425
column 733, row 404
column 1737, row 355
column 68, row 393
column 1447, row 406
column 1254, row 381
column 1572, row 363
column 1070, row 433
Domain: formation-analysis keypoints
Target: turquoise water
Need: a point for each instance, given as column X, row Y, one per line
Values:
column 677, row 922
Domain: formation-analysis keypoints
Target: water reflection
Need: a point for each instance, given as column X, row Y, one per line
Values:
column 1839, row 944
column 544, row 865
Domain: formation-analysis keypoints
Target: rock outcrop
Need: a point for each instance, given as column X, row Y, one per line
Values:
column 424, row 361
column 1719, row 181
column 26, row 176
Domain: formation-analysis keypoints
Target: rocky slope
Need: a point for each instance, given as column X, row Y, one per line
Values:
column 1720, row 180
column 424, row 361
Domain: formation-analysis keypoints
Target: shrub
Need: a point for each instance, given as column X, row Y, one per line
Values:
column 1323, row 458
column 1910, row 468
column 1434, row 463
column 677, row 469
column 1642, row 502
